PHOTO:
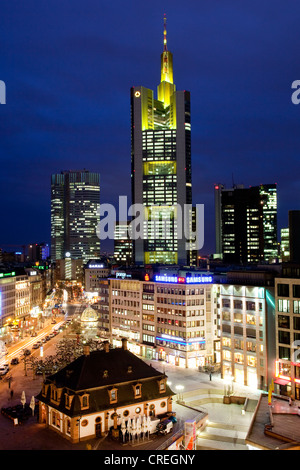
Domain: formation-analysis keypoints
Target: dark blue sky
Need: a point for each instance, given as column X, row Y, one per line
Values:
column 68, row 68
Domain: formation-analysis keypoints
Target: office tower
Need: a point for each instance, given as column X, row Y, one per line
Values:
column 218, row 215
column 122, row 244
column 161, row 174
column 294, row 235
column 37, row 252
column 248, row 224
column 75, row 199
column 285, row 244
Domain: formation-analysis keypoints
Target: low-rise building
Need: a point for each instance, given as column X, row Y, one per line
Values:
column 100, row 390
column 94, row 272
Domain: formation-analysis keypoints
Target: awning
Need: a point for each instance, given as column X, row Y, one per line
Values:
column 281, row 381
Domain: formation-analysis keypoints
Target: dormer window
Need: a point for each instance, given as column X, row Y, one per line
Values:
column 68, row 400
column 137, row 389
column 162, row 385
column 113, row 395
column 55, row 394
column 84, row 401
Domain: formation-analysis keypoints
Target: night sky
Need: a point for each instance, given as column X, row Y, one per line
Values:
column 68, row 68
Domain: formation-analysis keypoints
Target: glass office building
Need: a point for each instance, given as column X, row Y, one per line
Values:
column 75, row 200
column 161, row 166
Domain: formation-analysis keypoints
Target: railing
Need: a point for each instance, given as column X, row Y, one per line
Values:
column 170, row 441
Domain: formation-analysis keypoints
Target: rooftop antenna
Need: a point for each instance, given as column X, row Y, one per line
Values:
column 165, row 33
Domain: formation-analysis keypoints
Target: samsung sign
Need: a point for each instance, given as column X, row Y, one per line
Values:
column 184, row 280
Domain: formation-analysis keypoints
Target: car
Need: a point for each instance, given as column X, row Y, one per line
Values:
column 35, row 346
column 14, row 361
column 51, row 335
column 47, row 338
column 44, row 340
column 3, row 370
column 165, row 427
column 27, row 352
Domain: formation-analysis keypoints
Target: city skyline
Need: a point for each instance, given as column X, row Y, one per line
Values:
column 60, row 116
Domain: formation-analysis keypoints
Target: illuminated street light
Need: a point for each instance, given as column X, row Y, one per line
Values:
column 179, row 389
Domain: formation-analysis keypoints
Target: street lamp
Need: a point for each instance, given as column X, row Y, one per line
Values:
column 179, row 389
column 228, row 384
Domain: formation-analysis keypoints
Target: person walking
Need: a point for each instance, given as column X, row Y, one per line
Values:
column 11, row 394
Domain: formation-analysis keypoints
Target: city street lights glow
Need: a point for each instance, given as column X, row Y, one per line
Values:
column 179, row 389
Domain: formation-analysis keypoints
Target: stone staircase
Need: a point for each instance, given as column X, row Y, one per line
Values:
column 221, row 436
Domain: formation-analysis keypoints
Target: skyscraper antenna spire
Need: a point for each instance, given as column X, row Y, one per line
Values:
column 165, row 33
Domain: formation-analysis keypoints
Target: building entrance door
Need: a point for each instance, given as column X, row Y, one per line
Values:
column 98, row 429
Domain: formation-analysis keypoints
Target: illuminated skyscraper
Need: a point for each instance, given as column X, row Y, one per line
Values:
column 122, row 244
column 246, row 221
column 75, row 199
column 161, row 165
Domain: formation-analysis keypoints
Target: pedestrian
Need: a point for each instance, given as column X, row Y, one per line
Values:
column 210, row 376
column 11, row 394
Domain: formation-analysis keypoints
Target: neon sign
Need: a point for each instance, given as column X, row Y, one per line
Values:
column 179, row 340
column 199, row 279
column 172, row 279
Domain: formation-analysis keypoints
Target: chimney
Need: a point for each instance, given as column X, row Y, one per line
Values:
column 106, row 346
column 86, row 350
column 124, row 344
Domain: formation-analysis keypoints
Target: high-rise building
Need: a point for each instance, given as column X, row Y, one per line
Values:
column 75, row 200
column 294, row 236
column 122, row 244
column 218, row 217
column 161, row 166
column 285, row 244
column 247, row 223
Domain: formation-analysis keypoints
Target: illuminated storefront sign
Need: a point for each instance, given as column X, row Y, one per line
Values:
column 96, row 266
column 199, row 280
column 174, row 339
column 172, row 279
column 7, row 274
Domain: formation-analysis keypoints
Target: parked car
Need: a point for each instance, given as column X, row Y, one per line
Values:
column 27, row 352
column 165, row 427
column 14, row 361
column 47, row 338
column 4, row 369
